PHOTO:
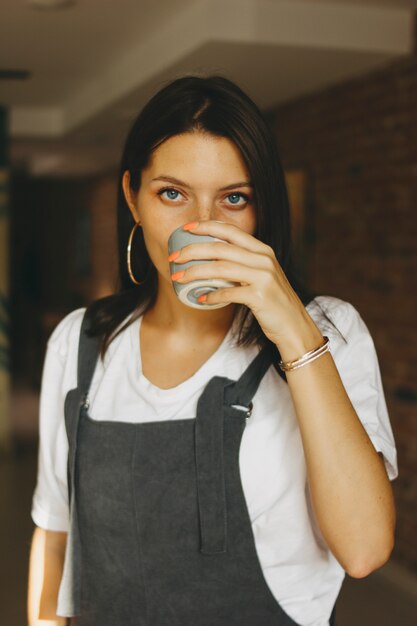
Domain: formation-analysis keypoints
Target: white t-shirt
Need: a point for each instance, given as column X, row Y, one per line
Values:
column 301, row 572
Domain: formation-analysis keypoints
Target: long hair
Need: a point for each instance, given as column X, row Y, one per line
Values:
column 217, row 106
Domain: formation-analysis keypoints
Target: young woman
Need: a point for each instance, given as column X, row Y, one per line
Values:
column 219, row 466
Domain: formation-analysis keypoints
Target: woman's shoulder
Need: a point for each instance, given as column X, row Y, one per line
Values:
column 337, row 318
column 339, row 310
column 66, row 333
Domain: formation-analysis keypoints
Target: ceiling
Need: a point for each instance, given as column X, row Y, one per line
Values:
column 93, row 64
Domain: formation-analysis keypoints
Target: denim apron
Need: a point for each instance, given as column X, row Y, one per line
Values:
column 160, row 534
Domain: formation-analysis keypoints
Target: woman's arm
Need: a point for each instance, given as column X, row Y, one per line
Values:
column 45, row 572
column 350, row 491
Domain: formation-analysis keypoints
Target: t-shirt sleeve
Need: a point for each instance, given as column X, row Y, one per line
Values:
column 357, row 363
column 50, row 498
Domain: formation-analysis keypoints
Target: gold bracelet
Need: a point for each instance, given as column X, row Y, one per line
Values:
column 308, row 357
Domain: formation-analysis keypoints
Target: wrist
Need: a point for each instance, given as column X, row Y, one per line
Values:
column 300, row 340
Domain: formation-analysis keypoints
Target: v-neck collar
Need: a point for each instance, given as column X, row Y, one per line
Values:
column 187, row 385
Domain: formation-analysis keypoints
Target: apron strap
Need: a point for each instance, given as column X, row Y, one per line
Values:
column 211, row 491
column 211, row 494
column 88, row 353
column 243, row 390
column 69, row 596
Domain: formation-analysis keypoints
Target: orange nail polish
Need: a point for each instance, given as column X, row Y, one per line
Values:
column 190, row 226
column 177, row 275
column 174, row 255
column 202, row 298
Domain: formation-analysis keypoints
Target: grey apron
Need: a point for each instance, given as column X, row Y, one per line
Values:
column 160, row 534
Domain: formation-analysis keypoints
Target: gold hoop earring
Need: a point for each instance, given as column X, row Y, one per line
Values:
column 129, row 246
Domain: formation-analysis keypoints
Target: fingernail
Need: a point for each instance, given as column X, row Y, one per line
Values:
column 190, row 225
column 202, row 298
column 174, row 255
column 177, row 275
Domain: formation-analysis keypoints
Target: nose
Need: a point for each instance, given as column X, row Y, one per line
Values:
column 206, row 210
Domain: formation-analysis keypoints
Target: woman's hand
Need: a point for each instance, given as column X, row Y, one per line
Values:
column 263, row 286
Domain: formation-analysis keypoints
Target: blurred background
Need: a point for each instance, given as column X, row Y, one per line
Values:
column 337, row 81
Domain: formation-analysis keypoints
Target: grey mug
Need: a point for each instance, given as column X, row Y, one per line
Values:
column 189, row 292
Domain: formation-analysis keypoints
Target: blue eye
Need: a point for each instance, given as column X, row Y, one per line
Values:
column 172, row 194
column 235, row 196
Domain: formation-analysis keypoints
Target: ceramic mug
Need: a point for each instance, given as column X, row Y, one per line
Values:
column 189, row 292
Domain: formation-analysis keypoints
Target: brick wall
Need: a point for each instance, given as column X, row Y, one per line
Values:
column 357, row 142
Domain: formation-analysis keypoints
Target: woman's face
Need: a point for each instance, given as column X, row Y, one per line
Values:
column 192, row 176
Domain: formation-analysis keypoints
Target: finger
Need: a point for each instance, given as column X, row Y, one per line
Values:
column 222, row 251
column 227, row 295
column 224, row 269
column 231, row 233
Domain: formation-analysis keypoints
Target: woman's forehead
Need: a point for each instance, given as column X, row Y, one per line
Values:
column 194, row 153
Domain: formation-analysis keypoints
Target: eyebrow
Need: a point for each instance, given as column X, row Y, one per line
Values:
column 176, row 181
